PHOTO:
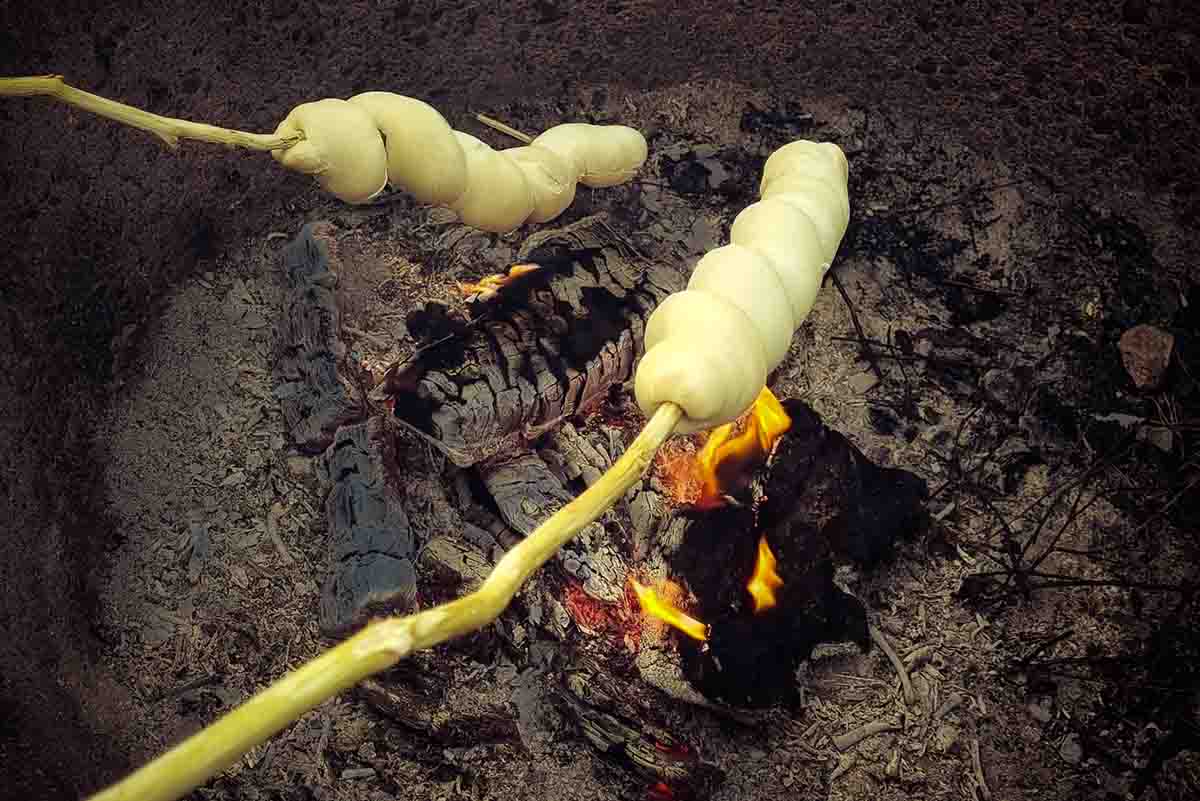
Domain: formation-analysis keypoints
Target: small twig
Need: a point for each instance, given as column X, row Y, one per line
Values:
column 910, row 695
column 844, row 742
column 918, row 655
column 168, row 129
column 1044, row 646
column 503, row 128
column 862, row 337
column 985, row 794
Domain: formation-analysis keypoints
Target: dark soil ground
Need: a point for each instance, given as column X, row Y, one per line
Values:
column 1025, row 189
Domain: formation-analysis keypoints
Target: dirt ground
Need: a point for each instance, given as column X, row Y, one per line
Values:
column 1024, row 189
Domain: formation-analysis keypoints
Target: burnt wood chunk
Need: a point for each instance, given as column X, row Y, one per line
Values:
column 421, row 695
column 526, row 492
column 549, row 345
column 605, row 712
column 313, row 395
column 820, row 503
column 373, row 546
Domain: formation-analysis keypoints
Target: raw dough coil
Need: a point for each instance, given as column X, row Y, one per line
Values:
column 357, row 147
column 710, row 347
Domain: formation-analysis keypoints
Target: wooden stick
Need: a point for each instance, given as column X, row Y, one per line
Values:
column 507, row 130
column 844, row 742
column 383, row 643
column 168, row 129
column 909, row 695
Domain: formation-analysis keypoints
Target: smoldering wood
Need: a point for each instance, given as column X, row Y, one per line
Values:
column 372, row 545
column 605, row 711
column 526, row 492
column 820, row 503
column 548, row 346
column 313, row 393
column 418, row 695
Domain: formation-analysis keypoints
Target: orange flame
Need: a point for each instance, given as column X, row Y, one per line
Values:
column 655, row 607
column 730, row 453
column 765, row 581
column 489, row 285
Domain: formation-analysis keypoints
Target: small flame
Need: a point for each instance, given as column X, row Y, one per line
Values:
column 730, row 453
column 657, row 608
column 489, row 285
column 765, row 581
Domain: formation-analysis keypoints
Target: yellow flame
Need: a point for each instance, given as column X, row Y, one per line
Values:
column 764, row 424
column 655, row 607
column 765, row 581
column 491, row 284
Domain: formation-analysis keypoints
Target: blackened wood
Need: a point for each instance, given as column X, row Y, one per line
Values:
column 547, row 346
column 526, row 492
column 312, row 393
column 820, row 503
column 604, row 712
column 419, row 696
column 373, row 545
column 458, row 563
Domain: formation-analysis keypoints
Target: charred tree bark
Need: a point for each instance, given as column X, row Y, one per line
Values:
column 549, row 345
column 312, row 392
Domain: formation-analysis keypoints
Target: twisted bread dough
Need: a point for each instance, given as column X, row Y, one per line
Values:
column 356, row 147
column 710, row 347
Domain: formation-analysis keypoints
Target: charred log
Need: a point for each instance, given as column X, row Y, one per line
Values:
column 314, row 396
column 819, row 503
column 373, row 546
column 549, row 345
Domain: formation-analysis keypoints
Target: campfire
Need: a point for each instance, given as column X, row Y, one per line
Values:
column 710, row 584
column 728, row 458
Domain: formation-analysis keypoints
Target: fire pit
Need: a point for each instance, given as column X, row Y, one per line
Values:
column 733, row 541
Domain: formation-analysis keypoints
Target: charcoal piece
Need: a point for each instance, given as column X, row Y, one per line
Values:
column 618, row 721
column 419, row 695
column 819, row 503
column 373, row 546
column 457, row 563
column 547, row 346
column 314, row 396
column 526, row 492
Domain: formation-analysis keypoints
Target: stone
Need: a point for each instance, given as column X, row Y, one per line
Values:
column 1146, row 353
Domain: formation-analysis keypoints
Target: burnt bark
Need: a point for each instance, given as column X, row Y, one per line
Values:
column 313, row 394
column 372, row 544
column 549, row 345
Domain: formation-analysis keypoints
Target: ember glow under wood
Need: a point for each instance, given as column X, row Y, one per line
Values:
column 548, row 344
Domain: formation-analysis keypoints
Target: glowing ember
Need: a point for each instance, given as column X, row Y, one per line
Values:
column 765, row 581
column 730, row 454
column 491, row 284
column 657, row 608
